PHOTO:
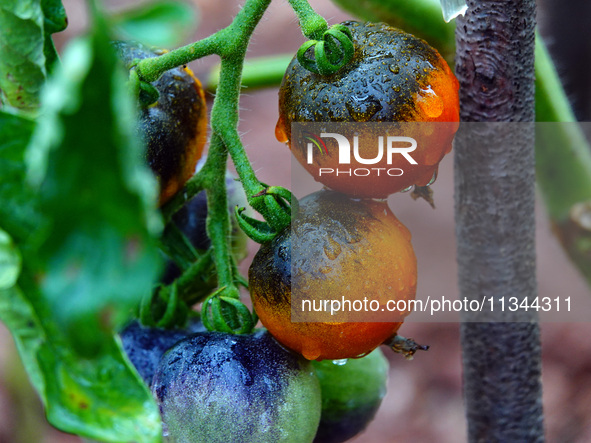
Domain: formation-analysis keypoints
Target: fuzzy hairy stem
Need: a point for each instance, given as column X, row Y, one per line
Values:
column 494, row 176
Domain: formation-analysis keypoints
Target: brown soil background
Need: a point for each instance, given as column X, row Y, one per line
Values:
column 424, row 400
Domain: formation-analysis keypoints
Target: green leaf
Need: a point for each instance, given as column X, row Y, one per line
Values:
column 55, row 20
column 54, row 14
column 94, row 256
column 102, row 398
column 18, row 215
column 22, row 60
column 10, row 261
column 98, row 194
column 99, row 398
column 17, row 313
column 164, row 23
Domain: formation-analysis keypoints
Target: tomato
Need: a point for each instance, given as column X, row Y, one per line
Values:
column 352, row 392
column 220, row 388
column 175, row 127
column 337, row 248
column 145, row 346
column 393, row 77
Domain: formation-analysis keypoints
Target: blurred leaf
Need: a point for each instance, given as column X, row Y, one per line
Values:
column 94, row 256
column 98, row 194
column 422, row 18
column 22, row 61
column 165, row 24
column 17, row 211
column 10, row 261
column 100, row 398
column 55, row 19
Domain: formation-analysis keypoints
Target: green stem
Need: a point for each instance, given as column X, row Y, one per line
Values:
column 230, row 44
column 150, row 69
column 218, row 220
column 258, row 72
column 312, row 24
column 192, row 276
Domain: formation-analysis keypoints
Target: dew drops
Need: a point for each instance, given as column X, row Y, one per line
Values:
column 395, row 69
column 310, row 354
column 332, row 249
column 432, row 179
column 280, row 134
column 341, row 362
column 363, row 109
column 429, row 102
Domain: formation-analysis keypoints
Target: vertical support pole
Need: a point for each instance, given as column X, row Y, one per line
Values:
column 495, row 225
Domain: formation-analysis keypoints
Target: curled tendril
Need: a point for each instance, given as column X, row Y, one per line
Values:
column 333, row 52
column 226, row 314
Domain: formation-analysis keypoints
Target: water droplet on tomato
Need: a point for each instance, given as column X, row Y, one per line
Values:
column 332, row 249
column 310, row 354
column 429, row 102
column 395, row 69
column 364, row 108
column 280, row 134
column 432, row 179
column 341, row 362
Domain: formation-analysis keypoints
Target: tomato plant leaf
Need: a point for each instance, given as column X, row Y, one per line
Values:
column 22, row 61
column 162, row 23
column 54, row 15
column 101, row 398
column 10, row 261
column 18, row 215
column 94, row 256
column 99, row 254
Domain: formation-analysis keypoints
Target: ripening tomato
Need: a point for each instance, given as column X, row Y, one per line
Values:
column 175, row 127
column 336, row 249
column 393, row 77
column 352, row 391
column 215, row 387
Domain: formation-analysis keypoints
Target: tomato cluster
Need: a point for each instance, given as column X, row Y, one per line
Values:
column 302, row 378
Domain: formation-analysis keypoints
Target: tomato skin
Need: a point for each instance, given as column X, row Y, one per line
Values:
column 351, row 395
column 145, row 346
column 175, row 127
column 220, row 388
column 336, row 247
column 393, row 77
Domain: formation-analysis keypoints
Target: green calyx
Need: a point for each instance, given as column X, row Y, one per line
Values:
column 224, row 312
column 330, row 54
column 277, row 205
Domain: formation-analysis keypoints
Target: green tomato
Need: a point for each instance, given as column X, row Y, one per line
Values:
column 351, row 394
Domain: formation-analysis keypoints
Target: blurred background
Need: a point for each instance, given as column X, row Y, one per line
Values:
column 424, row 400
